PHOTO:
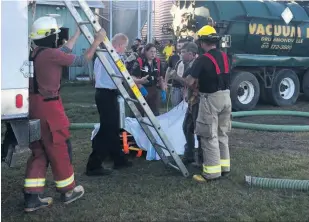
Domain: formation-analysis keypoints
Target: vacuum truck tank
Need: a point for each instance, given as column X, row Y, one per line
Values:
column 267, row 42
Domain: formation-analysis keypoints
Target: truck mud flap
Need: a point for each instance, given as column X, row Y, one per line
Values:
column 17, row 138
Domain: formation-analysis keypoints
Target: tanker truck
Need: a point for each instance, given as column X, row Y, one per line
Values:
column 15, row 72
column 267, row 43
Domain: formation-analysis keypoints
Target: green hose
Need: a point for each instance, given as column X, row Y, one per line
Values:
column 268, row 127
column 270, row 112
column 302, row 185
column 76, row 126
column 241, row 125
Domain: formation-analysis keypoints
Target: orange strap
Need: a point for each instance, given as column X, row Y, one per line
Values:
column 125, row 142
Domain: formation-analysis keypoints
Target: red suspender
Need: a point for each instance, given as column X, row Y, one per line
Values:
column 159, row 65
column 225, row 61
column 214, row 62
column 140, row 62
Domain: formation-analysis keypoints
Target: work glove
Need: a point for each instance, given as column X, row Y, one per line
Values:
column 163, row 96
column 143, row 91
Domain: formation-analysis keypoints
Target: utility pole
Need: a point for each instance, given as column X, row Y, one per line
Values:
column 139, row 25
column 149, row 21
column 110, row 19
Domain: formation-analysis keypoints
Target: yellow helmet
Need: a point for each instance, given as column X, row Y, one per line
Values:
column 208, row 33
column 206, row 30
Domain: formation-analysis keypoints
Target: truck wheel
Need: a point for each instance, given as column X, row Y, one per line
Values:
column 306, row 84
column 245, row 91
column 285, row 89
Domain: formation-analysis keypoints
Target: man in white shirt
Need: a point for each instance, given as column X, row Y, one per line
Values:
column 107, row 140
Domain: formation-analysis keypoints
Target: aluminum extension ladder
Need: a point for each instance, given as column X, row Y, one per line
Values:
column 152, row 123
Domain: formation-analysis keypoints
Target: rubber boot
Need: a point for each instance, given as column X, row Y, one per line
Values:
column 73, row 195
column 33, row 202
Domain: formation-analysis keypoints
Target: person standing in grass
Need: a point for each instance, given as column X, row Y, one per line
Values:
column 54, row 147
column 212, row 72
column 149, row 66
column 107, row 140
column 189, row 53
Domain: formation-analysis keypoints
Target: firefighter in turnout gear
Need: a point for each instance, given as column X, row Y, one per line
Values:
column 54, row 147
column 211, row 70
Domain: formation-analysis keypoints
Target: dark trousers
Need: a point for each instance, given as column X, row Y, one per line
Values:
column 107, row 141
column 188, row 127
column 152, row 99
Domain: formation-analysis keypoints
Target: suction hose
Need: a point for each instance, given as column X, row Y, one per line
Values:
column 268, row 127
column 77, row 126
column 257, row 181
column 302, row 185
column 241, row 125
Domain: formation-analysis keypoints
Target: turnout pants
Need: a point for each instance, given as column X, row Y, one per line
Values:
column 188, row 127
column 212, row 125
column 107, row 140
column 53, row 148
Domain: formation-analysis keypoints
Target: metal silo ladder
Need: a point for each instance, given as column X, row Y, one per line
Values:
column 152, row 122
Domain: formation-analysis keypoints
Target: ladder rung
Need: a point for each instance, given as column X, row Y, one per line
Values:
column 162, row 147
column 84, row 22
column 172, row 165
column 132, row 100
column 101, row 50
column 146, row 123
column 113, row 75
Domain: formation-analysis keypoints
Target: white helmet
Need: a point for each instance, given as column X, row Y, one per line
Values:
column 43, row 27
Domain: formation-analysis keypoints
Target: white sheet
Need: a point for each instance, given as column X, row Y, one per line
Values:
column 171, row 123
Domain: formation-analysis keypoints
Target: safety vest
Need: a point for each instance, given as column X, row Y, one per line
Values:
column 223, row 76
column 153, row 74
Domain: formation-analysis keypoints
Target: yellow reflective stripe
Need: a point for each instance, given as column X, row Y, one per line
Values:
column 39, row 182
column 66, row 182
column 225, row 162
column 212, row 169
column 43, row 31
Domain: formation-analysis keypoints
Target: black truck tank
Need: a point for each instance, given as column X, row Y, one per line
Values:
column 256, row 27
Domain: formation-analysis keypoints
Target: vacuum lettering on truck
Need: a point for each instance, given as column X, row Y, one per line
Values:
column 278, row 37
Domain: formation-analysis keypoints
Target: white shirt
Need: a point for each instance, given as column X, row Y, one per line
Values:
column 102, row 79
column 180, row 69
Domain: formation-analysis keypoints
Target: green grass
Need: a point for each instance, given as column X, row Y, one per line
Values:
column 151, row 192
